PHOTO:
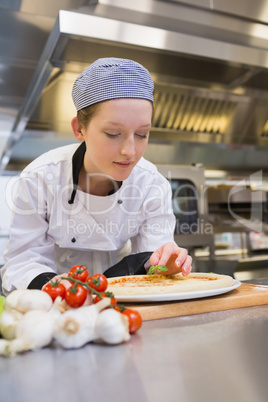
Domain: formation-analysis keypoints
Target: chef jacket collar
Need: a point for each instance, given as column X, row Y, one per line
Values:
column 77, row 161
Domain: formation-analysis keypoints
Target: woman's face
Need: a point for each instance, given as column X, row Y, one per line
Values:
column 117, row 136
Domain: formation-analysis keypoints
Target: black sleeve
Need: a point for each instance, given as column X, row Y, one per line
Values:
column 39, row 281
column 130, row 265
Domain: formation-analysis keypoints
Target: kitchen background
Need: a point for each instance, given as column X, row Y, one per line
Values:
column 209, row 62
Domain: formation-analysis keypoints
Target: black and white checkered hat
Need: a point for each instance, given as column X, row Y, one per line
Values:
column 112, row 78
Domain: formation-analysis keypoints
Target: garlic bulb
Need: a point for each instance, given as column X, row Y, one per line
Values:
column 35, row 329
column 112, row 327
column 8, row 323
column 32, row 330
column 25, row 300
column 34, row 299
column 55, row 310
column 76, row 327
column 4, row 347
column 10, row 347
column 12, row 299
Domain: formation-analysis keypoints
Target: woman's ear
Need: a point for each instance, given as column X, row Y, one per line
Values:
column 77, row 129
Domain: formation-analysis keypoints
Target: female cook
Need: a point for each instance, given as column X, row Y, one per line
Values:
column 98, row 203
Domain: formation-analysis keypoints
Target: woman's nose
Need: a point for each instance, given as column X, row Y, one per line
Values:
column 128, row 147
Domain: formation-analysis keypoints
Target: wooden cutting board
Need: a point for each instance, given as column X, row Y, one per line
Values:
column 246, row 295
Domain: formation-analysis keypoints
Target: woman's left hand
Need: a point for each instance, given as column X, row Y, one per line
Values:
column 175, row 258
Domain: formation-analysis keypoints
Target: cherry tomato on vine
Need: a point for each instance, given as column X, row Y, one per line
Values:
column 54, row 289
column 76, row 295
column 135, row 320
column 98, row 282
column 79, row 272
column 105, row 294
column 118, row 308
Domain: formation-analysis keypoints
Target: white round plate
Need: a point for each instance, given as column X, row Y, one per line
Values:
column 178, row 296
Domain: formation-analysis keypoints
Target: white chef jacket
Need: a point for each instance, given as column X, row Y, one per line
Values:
column 51, row 234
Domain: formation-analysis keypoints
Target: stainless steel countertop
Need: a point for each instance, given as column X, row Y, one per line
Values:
column 218, row 356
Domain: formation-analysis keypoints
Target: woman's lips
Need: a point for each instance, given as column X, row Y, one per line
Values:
column 123, row 165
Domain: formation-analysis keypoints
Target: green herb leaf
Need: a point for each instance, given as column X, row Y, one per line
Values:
column 159, row 267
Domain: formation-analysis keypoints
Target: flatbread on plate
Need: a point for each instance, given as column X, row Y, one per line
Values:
column 162, row 284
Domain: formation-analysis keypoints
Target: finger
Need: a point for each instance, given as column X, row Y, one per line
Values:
column 155, row 257
column 88, row 300
column 166, row 255
column 67, row 284
column 182, row 257
column 187, row 266
column 64, row 282
column 162, row 254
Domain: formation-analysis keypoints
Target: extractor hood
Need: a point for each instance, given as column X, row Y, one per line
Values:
column 209, row 63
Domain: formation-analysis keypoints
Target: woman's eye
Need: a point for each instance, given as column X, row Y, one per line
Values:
column 141, row 135
column 112, row 135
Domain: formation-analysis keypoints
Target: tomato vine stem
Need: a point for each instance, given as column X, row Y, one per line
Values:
column 77, row 281
column 69, row 278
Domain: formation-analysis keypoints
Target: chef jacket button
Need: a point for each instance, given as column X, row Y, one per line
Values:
column 120, row 202
column 73, row 240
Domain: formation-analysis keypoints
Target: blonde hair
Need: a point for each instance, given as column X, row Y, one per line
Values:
column 85, row 115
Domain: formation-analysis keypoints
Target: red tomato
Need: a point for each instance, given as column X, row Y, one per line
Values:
column 98, row 282
column 54, row 289
column 105, row 294
column 118, row 308
column 134, row 318
column 76, row 295
column 79, row 272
